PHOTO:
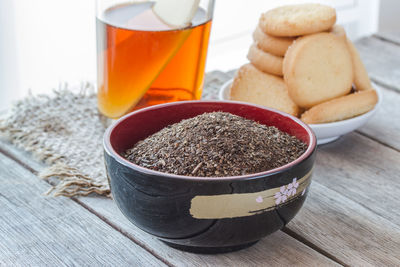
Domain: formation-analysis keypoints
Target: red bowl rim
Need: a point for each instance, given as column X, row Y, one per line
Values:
column 110, row 150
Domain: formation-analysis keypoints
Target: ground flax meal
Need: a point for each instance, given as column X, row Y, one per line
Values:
column 216, row 144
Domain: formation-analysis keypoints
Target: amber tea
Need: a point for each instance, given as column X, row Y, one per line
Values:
column 143, row 62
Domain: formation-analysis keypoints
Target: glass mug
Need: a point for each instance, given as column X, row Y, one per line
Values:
column 143, row 62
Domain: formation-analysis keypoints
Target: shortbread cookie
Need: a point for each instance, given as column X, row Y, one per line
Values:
column 254, row 86
column 272, row 44
column 294, row 20
column 338, row 31
column 361, row 78
column 265, row 61
column 344, row 107
column 317, row 68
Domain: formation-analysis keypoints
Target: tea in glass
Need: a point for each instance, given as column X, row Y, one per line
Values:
column 143, row 61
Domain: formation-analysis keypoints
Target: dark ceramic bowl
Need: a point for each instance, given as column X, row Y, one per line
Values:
column 206, row 215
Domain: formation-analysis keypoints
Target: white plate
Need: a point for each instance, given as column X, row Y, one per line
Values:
column 325, row 132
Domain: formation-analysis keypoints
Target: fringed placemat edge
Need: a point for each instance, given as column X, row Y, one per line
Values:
column 69, row 180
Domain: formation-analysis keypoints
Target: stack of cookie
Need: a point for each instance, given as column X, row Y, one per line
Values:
column 303, row 64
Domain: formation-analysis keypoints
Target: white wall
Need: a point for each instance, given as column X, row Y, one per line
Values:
column 389, row 16
column 43, row 43
column 9, row 86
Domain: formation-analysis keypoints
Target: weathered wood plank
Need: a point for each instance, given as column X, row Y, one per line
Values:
column 352, row 211
column 309, row 224
column 364, row 171
column 382, row 60
column 375, row 228
column 277, row 249
column 384, row 126
column 36, row 230
column 393, row 37
column 359, row 212
column 320, row 233
column 349, row 231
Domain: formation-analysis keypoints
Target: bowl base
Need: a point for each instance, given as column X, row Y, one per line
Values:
column 326, row 140
column 209, row 250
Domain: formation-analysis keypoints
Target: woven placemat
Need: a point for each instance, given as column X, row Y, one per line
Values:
column 65, row 131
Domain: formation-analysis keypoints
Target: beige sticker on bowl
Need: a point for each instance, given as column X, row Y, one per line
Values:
column 247, row 204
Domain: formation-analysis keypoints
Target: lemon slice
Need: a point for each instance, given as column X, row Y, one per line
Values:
column 176, row 13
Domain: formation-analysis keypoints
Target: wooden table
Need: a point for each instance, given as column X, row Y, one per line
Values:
column 351, row 217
